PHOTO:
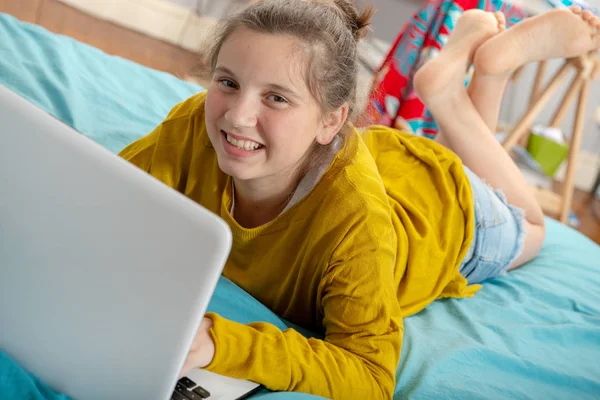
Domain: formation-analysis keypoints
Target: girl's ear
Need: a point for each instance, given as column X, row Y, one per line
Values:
column 332, row 123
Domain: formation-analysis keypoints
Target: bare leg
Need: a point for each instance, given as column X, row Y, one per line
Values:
column 563, row 33
column 572, row 32
column 493, row 71
column 486, row 91
column 440, row 86
column 491, row 76
column 472, row 30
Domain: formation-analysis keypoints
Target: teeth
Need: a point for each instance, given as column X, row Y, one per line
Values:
column 243, row 144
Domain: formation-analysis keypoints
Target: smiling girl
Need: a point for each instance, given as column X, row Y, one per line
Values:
column 340, row 231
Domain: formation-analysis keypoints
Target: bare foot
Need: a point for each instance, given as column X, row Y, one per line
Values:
column 445, row 74
column 563, row 33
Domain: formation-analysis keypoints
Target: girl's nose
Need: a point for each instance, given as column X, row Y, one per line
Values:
column 243, row 112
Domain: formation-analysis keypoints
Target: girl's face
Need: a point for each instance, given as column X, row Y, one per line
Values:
column 260, row 115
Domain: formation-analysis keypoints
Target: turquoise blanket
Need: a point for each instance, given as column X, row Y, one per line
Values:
column 534, row 333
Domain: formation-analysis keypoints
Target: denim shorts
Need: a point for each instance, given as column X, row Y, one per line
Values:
column 499, row 234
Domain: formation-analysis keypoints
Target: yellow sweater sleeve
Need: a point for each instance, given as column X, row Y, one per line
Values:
column 140, row 152
column 358, row 356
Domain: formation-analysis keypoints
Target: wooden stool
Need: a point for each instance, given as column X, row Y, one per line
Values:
column 587, row 69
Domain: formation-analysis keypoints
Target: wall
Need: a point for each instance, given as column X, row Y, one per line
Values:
column 389, row 19
column 391, row 16
column 187, row 3
column 210, row 7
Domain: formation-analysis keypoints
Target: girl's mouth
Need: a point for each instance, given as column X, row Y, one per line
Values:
column 239, row 148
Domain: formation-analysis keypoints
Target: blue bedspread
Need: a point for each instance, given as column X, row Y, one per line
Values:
column 534, row 333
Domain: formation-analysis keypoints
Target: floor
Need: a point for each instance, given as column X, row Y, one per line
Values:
column 163, row 56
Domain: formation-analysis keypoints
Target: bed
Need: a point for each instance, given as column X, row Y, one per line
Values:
column 532, row 334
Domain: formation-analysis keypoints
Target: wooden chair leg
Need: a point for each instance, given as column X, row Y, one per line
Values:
column 569, row 183
column 596, row 71
column 525, row 123
column 568, row 98
column 537, row 84
column 535, row 91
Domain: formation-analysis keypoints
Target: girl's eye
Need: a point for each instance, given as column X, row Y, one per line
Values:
column 228, row 83
column 277, row 99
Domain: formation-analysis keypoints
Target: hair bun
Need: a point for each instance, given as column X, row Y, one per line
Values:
column 358, row 22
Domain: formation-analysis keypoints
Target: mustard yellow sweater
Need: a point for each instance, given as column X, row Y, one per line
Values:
column 381, row 235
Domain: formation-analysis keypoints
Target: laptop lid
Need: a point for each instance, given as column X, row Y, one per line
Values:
column 105, row 272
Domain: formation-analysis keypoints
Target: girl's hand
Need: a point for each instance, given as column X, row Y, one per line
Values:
column 202, row 350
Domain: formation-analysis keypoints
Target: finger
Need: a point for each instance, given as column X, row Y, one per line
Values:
column 196, row 343
column 188, row 365
column 206, row 324
column 203, row 329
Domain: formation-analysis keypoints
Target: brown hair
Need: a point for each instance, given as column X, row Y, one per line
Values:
column 329, row 31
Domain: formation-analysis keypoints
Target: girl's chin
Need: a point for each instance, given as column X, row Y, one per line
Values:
column 239, row 172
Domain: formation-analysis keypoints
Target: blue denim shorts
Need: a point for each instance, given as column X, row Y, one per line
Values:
column 499, row 233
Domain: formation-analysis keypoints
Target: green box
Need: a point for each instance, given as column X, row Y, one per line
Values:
column 548, row 153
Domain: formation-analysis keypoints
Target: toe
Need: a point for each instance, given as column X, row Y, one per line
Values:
column 576, row 9
column 588, row 15
column 501, row 18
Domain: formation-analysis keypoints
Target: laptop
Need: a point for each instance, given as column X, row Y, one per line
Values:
column 105, row 272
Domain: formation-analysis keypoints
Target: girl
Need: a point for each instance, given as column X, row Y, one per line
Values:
column 339, row 231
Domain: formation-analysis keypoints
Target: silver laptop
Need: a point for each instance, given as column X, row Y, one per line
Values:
column 105, row 272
